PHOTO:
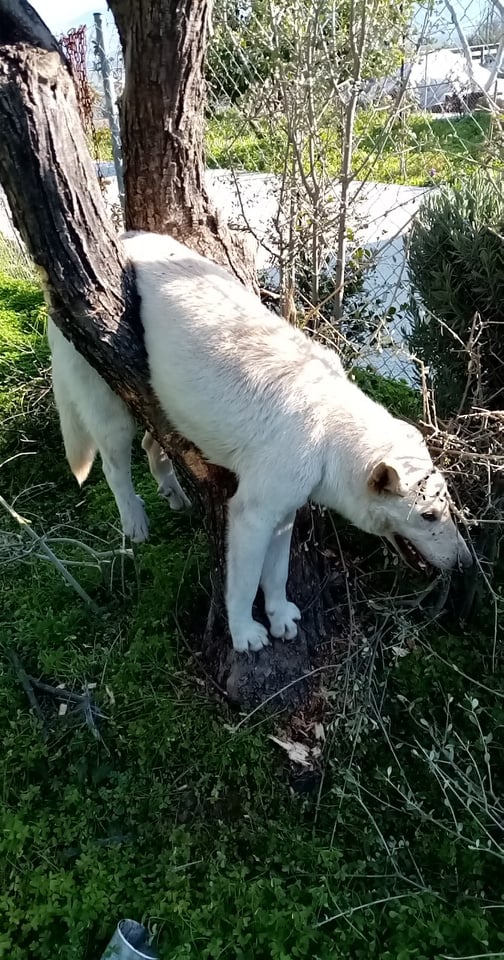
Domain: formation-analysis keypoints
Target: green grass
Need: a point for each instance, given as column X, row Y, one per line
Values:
column 432, row 149
column 423, row 149
column 172, row 817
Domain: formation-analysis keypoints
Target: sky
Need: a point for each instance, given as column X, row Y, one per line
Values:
column 60, row 15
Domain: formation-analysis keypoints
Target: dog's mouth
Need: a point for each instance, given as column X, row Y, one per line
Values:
column 411, row 556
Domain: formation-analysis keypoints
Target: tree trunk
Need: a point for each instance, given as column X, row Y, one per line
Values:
column 56, row 203
column 59, row 211
column 162, row 121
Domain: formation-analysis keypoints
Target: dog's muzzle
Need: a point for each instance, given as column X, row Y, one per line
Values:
column 465, row 558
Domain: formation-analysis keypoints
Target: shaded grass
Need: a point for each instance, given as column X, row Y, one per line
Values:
column 170, row 816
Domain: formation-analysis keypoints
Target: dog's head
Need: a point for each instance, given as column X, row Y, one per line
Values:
column 410, row 506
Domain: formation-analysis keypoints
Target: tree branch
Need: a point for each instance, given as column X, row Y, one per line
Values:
column 20, row 23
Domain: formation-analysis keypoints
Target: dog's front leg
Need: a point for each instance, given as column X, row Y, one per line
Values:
column 250, row 527
column 281, row 614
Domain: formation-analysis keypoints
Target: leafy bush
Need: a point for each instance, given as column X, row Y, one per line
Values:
column 396, row 395
column 241, row 53
column 456, row 265
column 100, row 144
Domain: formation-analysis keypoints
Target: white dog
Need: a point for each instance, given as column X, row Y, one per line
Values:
column 257, row 396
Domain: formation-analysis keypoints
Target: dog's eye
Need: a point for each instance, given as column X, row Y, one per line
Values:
column 430, row 517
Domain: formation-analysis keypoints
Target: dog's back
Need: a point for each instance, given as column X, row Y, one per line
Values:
column 233, row 376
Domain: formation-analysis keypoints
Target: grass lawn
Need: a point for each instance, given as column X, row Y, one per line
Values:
column 421, row 150
column 163, row 811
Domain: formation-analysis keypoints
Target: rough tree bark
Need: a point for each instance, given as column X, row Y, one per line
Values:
column 52, row 189
column 162, row 119
column 59, row 211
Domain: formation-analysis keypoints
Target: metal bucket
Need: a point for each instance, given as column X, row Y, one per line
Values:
column 129, row 942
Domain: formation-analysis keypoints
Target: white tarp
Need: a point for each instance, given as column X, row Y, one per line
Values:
column 434, row 76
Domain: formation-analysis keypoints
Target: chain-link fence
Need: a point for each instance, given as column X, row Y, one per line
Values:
column 14, row 259
column 328, row 123
column 345, row 116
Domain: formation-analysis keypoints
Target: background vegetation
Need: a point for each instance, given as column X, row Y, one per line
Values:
column 456, row 264
column 419, row 150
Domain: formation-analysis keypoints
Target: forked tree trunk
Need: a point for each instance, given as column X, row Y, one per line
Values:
column 52, row 189
column 51, row 185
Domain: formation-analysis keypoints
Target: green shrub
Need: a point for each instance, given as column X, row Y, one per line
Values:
column 456, row 265
column 100, row 144
column 396, row 395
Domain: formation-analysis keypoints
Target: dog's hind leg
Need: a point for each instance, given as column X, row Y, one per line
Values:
column 114, row 438
column 92, row 418
column 281, row 614
column 162, row 470
column 250, row 527
column 80, row 447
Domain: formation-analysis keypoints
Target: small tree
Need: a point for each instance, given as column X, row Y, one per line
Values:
column 333, row 48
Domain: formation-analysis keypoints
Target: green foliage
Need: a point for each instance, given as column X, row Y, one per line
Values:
column 396, row 395
column 254, row 43
column 100, row 144
column 456, row 263
column 241, row 53
column 170, row 816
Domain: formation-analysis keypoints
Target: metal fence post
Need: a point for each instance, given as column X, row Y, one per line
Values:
column 110, row 105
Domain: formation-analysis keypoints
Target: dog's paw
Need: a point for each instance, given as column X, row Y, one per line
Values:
column 283, row 621
column 171, row 490
column 253, row 636
column 135, row 523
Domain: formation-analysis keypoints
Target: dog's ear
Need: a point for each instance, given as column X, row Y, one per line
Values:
column 384, row 478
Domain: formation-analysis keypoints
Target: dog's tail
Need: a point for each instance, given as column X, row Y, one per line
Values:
column 80, row 448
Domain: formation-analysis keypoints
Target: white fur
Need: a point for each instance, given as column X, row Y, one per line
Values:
column 259, row 397
column 93, row 418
